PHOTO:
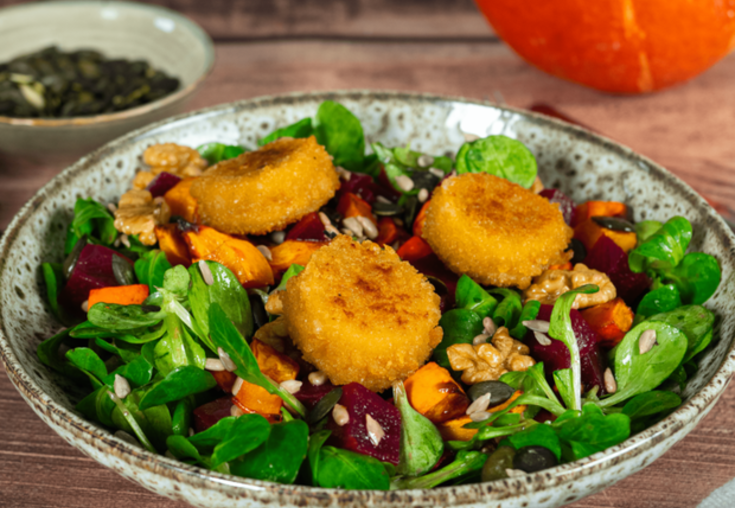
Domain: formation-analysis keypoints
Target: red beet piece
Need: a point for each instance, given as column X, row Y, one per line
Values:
column 607, row 257
column 556, row 355
column 353, row 436
column 93, row 270
column 566, row 205
column 432, row 266
column 310, row 229
column 362, row 185
column 310, row 394
column 162, row 183
column 210, row 413
column 225, row 380
column 386, row 188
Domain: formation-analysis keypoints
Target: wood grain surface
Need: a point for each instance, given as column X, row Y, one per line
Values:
column 688, row 129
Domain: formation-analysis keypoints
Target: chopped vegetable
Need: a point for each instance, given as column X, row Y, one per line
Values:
column 134, row 294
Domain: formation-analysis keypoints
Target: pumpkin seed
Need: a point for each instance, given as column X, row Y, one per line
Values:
column 386, row 209
column 615, row 224
column 534, row 458
column 499, row 392
column 324, row 406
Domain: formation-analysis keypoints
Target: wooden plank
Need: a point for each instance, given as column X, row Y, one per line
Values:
column 38, row 468
column 356, row 19
column 687, row 128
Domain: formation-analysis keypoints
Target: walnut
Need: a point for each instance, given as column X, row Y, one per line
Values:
column 178, row 160
column 139, row 214
column 487, row 362
column 551, row 284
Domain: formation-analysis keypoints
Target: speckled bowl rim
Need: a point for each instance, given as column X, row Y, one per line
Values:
column 79, row 121
column 302, row 495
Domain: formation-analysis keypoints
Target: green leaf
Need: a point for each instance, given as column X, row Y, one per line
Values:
column 217, row 152
column 695, row 321
column 316, row 442
column 247, row 433
column 300, row 129
column 292, row 271
column 226, row 336
column 88, row 361
column 697, row 277
column 645, row 229
column 279, row 458
column 181, row 419
column 138, row 372
column 565, row 383
column 421, row 443
column 561, row 329
column 464, row 464
column 150, row 268
column 538, row 435
column 637, row 373
column 206, row 440
column 500, row 156
column 53, row 276
column 508, row 311
column 530, row 311
column 93, row 219
column 182, row 449
column 112, row 316
column 341, row 134
column 592, row 431
column 343, row 469
column 226, row 291
column 178, row 384
column 177, row 281
column 460, row 326
column 126, row 412
column 48, row 353
column 650, row 403
column 661, row 299
column 470, row 295
column 664, row 249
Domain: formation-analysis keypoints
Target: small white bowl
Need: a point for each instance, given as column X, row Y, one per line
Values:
column 167, row 40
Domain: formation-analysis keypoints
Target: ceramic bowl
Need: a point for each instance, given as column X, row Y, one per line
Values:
column 583, row 165
column 166, row 39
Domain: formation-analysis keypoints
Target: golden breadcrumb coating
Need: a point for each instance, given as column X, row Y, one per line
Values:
column 495, row 231
column 358, row 313
column 267, row 189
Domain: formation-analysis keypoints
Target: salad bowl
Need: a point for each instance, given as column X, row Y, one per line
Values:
column 582, row 165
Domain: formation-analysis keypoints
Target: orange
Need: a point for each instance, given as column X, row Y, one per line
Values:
column 624, row 46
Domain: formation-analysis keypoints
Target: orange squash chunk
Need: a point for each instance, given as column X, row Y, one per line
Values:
column 240, row 256
column 453, row 430
column 433, row 392
column 181, row 202
column 173, row 245
column 292, row 251
column 591, row 209
column 273, row 364
column 518, row 409
column 588, row 232
column 418, row 223
column 253, row 398
column 135, row 294
column 352, row 205
column 610, row 320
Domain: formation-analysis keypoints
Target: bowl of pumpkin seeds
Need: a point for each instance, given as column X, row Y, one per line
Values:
column 76, row 74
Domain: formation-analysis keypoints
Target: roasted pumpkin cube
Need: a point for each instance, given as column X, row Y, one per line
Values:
column 433, row 392
column 121, row 295
column 610, row 320
column 273, row 364
column 351, row 205
column 253, row 398
column 240, row 256
column 453, row 430
column 172, row 243
column 181, row 202
column 591, row 209
column 292, row 252
column 589, row 231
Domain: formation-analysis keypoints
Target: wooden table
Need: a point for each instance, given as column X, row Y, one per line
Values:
column 444, row 49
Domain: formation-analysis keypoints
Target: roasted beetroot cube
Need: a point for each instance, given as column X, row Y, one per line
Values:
column 432, row 266
column 210, row 413
column 556, row 355
column 385, row 188
column 310, row 394
column 361, row 185
column 607, row 257
column 361, row 402
column 162, row 183
column 93, row 270
column 566, row 205
column 310, row 229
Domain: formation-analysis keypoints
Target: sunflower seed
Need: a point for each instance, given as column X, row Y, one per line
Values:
column 468, row 137
column 343, row 173
column 213, row 365
column 291, row 385
column 317, row 378
column 480, row 339
column 266, row 252
column 610, row 385
column 537, row 325
column 353, row 225
column 646, row 341
column 368, row 227
column 227, row 362
column 424, row 161
column 404, row 183
column 125, row 241
column 479, row 416
column 121, row 386
column 340, row 415
column 325, row 220
column 238, row 384
column 481, row 404
column 437, row 172
column 489, row 326
column 206, row 272
column 191, row 432
column 423, row 195
column 112, row 207
column 85, row 305
column 374, row 430
column 383, row 200
column 542, row 339
column 236, row 411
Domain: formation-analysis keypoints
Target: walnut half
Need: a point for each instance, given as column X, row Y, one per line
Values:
column 487, row 362
column 551, row 284
column 139, row 214
column 178, row 160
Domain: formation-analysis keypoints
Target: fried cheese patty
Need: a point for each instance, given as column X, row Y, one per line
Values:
column 266, row 189
column 495, row 231
column 358, row 313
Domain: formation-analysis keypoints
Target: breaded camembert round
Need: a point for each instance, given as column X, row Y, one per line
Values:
column 266, row 189
column 358, row 313
column 495, row 231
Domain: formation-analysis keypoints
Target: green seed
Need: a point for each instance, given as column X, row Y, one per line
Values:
column 496, row 464
column 324, row 406
column 499, row 391
column 534, row 458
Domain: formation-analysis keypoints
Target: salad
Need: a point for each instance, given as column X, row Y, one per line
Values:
column 304, row 312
